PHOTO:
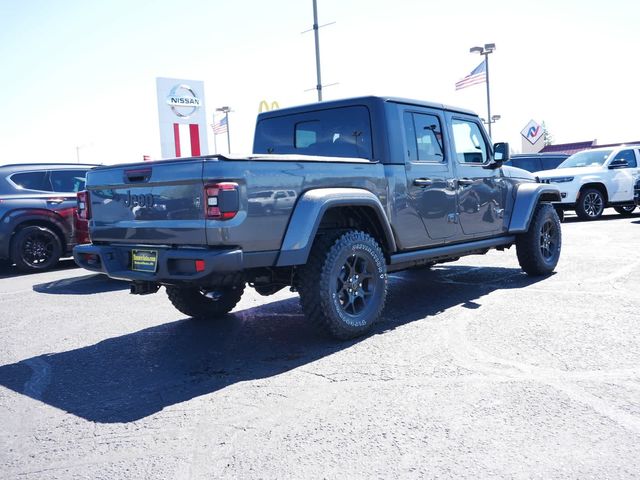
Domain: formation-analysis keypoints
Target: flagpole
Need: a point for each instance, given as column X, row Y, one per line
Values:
column 226, row 116
column 226, row 111
column 215, row 143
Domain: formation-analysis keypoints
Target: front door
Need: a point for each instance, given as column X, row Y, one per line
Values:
column 621, row 182
column 481, row 192
column 430, row 184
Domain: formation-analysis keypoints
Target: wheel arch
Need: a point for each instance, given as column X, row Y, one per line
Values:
column 598, row 186
column 528, row 196
column 20, row 219
column 327, row 208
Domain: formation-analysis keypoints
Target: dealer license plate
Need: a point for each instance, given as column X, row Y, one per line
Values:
column 144, row 260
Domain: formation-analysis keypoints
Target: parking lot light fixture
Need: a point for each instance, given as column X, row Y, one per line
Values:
column 485, row 51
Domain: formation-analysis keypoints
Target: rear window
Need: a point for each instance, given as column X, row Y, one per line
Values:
column 336, row 132
column 68, row 180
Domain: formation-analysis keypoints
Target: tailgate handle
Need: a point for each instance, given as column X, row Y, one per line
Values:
column 138, row 175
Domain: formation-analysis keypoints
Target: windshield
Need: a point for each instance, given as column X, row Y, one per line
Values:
column 588, row 158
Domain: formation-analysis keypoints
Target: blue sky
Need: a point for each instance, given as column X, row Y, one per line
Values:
column 82, row 74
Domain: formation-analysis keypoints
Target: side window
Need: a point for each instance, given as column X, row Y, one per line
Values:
column 32, row 181
column 424, row 137
column 68, row 180
column 470, row 145
column 306, row 134
column 629, row 156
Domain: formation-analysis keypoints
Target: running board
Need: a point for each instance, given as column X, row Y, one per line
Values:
column 457, row 250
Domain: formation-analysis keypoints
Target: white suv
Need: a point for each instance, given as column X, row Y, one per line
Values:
column 591, row 180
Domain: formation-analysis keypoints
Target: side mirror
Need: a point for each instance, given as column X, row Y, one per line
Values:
column 618, row 163
column 500, row 155
column 501, row 151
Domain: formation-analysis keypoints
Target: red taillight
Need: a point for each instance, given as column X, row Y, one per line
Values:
column 84, row 207
column 200, row 266
column 222, row 200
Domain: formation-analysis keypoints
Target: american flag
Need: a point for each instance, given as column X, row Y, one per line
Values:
column 477, row 75
column 220, row 127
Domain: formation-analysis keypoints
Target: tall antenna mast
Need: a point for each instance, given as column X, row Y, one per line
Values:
column 316, row 34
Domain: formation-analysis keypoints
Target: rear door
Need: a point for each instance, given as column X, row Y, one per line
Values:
column 430, row 178
column 481, row 192
column 153, row 203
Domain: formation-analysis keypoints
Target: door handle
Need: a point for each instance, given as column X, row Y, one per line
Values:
column 55, row 201
column 423, row 182
column 465, row 181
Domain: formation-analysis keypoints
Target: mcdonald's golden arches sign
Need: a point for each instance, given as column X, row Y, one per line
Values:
column 264, row 106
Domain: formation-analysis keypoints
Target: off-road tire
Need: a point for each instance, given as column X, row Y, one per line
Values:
column 590, row 204
column 538, row 249
column 626, row 211
column 202, row 304
column 35, row 248
column 343, row 285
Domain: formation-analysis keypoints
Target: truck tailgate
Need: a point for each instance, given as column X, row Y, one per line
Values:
column 152, row 203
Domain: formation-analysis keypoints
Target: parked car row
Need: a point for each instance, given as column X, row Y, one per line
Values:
column 592, row 180
column 38, row 204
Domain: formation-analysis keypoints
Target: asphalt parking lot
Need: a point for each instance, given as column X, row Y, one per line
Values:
column 476, row 371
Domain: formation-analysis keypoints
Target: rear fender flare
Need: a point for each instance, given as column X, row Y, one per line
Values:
column 308, row 214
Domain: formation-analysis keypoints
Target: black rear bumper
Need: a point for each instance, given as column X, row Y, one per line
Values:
column 174, row 265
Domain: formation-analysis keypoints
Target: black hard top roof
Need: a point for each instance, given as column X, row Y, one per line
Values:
column 366, row 100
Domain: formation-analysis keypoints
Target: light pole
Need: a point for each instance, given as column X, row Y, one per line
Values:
column 486, row 50
column 226, row 111
column 494, row 119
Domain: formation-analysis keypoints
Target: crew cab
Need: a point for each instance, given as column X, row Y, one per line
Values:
column 372, row 185
column 591, row 180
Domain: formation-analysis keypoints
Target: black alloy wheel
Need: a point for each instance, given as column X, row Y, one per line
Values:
column 548, row 239
column 35, row 248
column 355, row 284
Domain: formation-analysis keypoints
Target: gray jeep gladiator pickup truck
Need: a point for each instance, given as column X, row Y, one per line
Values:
column 336, row 195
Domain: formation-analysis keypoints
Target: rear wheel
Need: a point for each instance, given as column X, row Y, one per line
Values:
column 343, row 286
column 35, row 248
column 538, row 249
column 626, row 210
column 590, row 204
column 200, row 303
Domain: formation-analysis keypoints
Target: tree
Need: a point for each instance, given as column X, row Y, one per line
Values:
column 547, row 138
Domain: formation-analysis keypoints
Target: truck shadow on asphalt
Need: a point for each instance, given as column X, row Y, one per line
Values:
column 7, row 270
column 83, row 285
column 133, row 376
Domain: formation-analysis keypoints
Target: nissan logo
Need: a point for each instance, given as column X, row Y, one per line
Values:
column 183, row 101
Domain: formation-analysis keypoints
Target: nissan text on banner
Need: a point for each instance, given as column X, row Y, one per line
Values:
column 183, row 126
